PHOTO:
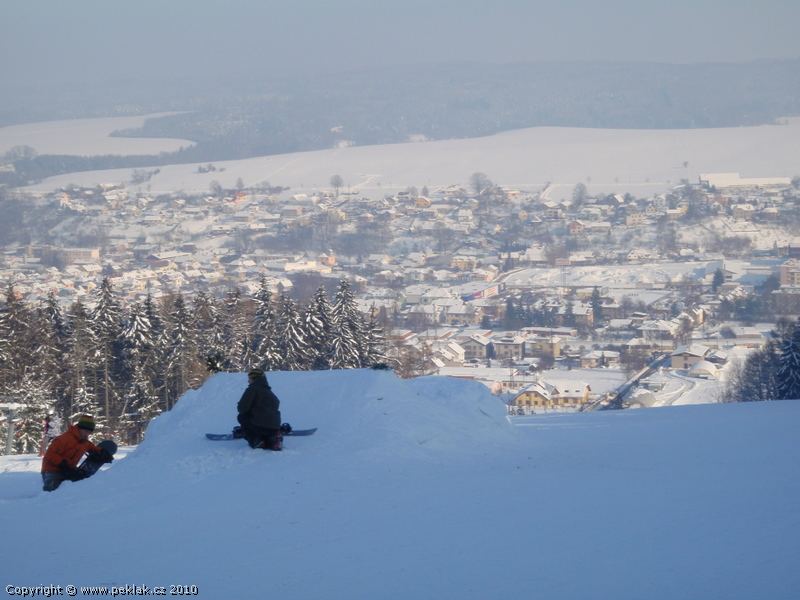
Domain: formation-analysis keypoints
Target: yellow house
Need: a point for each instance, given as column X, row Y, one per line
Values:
column 546, row 344
column 553, row 393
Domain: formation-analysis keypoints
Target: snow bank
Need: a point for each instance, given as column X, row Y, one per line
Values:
column 365, row 413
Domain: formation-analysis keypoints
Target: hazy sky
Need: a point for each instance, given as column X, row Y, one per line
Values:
column 86, row 40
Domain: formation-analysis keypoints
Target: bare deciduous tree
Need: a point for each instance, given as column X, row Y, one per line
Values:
column 479, row 182
column 336, row 183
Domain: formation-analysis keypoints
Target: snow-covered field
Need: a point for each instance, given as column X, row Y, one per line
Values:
column 86, row 137
column 628, row 276
column 423, row 489
column 618, row 160
column 606, row 275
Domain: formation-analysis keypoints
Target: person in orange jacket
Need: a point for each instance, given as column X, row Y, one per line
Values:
column 61, row 459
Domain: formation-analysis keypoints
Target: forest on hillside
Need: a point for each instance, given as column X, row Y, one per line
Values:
column 125, row 364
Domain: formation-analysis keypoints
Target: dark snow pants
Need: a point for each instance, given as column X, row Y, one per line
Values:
column 268, row 439
column 51, row 481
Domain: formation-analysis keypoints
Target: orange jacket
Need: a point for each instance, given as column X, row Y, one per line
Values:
column 68, row 446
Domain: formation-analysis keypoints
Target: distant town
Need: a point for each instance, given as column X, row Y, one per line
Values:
column 559, row 304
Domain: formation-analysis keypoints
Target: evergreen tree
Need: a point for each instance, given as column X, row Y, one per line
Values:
column 292, row 345
column 57, row 333
column 769, row 371
column 140, row 399
column 512, row 319
column 34, row 394
column 569, row 314
column 597, row 306
column 755, row 381
column 266, row 353
column 81, row 398
column 717, row 280
column 181, row 347
column 208, row 329
column 761, row 376
column 317, row 329
column 55, row 316
column 16, row 338
column 236, row 332
column 141, row 404
column 157, row 366
column 788, row 375
column 106, row 323
column 346, row 330
column 46, row 357
column 137, row 336
column 374, row 347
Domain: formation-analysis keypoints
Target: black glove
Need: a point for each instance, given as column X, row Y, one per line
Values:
column 70, row 473
column 103, row 456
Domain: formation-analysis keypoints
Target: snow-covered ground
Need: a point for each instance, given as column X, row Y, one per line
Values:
column 86, row 137
column 423, row 489
column 607, row 160
column 622, row 277
column 19, row 474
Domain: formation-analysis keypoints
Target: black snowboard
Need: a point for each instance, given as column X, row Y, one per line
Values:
column 91, row 464
column 236, row 434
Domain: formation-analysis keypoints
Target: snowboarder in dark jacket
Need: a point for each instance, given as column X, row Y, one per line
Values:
column 259, row 413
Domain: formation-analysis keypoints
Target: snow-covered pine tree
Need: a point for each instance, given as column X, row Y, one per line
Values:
column 236, row 330
column 156, row 370
column 81, row 398
column 137, row 335
column 346, row 330
column 292, row 346
column 140, row 401
column 34, row 393
column 17, row 340
column 106, row 323
column 264, row 339
column 788, row 375
column 181, row 349
column 317, row 329
column 58, row 332
column 597, row 306
column 770, row 364
column 373, row 350
column 207, row 327
column 758, row 379
column 55, row 317
column 47, row 357
column 141, row 404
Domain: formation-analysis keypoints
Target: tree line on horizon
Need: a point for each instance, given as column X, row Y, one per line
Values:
column 126, row 364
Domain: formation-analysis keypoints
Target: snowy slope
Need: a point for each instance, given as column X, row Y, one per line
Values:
column 422, row 489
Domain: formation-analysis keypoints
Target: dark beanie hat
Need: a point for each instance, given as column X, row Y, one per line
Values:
column 86, row 422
